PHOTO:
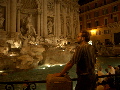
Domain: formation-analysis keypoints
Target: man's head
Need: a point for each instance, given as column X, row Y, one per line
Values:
column 106, row 70
column 83, row 36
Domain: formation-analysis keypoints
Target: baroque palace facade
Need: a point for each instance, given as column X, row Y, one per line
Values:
column 102, row 19
column 50, row 18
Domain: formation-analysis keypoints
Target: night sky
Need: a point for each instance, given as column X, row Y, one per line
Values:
column 81, row 2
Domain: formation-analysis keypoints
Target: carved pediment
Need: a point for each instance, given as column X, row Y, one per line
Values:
column 29, row 4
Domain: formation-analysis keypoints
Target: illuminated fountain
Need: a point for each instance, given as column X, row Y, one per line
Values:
column 21, row 55
column 26, row 49
column 28, row 52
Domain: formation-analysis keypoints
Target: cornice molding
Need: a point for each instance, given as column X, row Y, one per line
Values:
column 26, row 11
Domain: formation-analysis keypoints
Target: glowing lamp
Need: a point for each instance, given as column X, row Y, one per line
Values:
column 93, row 32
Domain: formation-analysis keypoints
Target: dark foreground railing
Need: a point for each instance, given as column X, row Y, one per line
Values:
column 31, row 85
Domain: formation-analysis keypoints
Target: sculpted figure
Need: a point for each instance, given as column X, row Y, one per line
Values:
column 30, row 28
column 50, row 26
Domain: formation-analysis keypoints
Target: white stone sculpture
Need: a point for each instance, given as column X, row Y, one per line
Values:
column 50, row 26
column 30, row 28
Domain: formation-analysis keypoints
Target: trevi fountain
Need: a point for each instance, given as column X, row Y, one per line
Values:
column 37, row 37
column 36, row 32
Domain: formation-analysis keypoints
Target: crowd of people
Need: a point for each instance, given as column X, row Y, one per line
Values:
column 108, row 82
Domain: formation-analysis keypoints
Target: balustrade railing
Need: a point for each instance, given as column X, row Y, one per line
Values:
column 31, row 85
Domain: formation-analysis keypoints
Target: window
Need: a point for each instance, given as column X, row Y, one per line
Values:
column 96, row 23
column 96, row 14
column 111, row 16
column 88, row 8
column 88, row 25
column 80, row 18
column 98, row 32
column 106, row 31
column 115, row 19
column 115, row 8
column 96, row 5
column 105, row 21
column 88, row 16
column 104, row 2
column 80, row 11
column 90, row 33
column 105, row 11
column 80, row 27
column 107, row 42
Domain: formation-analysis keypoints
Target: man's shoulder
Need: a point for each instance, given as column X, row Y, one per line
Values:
column 84, row 46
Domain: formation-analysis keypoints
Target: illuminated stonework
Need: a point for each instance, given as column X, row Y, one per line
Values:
column 33, row 26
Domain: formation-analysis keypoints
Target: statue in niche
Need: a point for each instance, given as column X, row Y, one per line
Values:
column 30, row 28
column 50, row 25
column 1, row 20
column 27, row 28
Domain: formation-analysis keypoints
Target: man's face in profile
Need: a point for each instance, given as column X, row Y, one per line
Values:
column 79, row 38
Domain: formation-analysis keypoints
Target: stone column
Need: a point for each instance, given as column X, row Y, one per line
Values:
column 57, row 20
column 72, row 24
column 64, row 16
column 45, row 32
column 18, row 15
column 78, row 23
column 38, row 22
column 41, row 18
column 65, row 32
column 8, row 17
column 18, row 20
column 13, row 4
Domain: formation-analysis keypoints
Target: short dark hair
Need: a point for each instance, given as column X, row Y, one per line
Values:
column 119, row 66
column 86, row 35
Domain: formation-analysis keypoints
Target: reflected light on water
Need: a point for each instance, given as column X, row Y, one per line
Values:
column 53, row 65
column 61, row 65
column 49, row 65
column 11, row 55
column 45, row 66
column 1, row 71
